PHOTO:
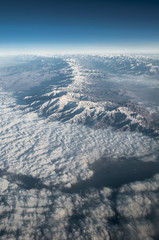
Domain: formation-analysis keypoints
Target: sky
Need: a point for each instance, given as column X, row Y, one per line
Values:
column 79, row 25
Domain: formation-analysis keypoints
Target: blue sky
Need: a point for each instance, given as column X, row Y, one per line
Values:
column 79, row 24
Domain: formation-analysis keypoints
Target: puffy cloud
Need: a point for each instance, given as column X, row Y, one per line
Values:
column 41, row 160
column 57, row 152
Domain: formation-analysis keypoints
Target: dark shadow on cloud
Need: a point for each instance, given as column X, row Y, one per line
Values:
column 25, row 181
column 115, row 173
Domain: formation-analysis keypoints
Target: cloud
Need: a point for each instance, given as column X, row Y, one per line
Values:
column 41, row 158
column 60, row 152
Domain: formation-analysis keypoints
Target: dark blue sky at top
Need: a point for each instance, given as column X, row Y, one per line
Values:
column 79, row 22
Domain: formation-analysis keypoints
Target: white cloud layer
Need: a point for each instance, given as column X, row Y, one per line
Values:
column 43, row 157
column 60, row 152
column 97, row 214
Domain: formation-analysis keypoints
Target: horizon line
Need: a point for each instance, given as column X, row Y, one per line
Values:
column 47, row 49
